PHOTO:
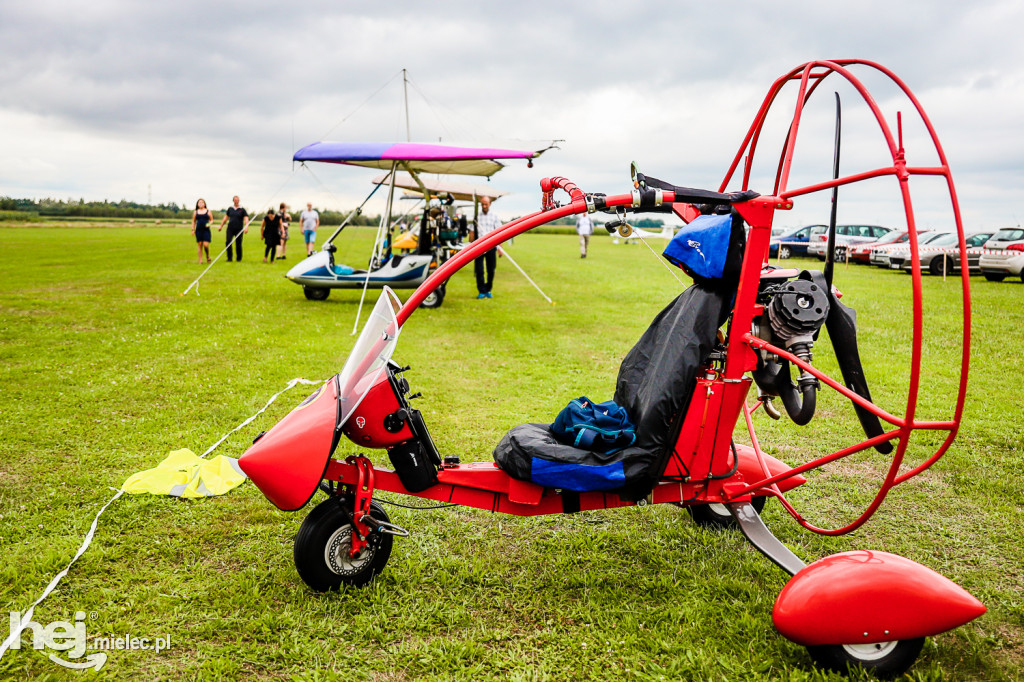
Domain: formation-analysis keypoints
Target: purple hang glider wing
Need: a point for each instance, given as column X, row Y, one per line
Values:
column 417, row 158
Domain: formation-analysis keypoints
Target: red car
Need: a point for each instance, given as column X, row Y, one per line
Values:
column 861, row 253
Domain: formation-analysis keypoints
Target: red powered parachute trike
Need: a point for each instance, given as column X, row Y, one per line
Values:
column 685, row 385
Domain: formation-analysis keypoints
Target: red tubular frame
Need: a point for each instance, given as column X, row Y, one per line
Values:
column 810, row 76
column 466, row 484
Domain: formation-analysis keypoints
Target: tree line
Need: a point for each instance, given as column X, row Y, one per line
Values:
column 30, row 209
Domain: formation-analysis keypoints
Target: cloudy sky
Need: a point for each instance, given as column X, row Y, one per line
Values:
column 113, row 99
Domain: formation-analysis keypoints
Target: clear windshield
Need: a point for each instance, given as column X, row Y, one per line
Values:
column 370, row 355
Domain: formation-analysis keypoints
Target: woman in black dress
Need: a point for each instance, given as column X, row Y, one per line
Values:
column 201, row 229
column 270, row 231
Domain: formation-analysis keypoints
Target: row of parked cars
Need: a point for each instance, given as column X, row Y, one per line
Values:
column 994, row 255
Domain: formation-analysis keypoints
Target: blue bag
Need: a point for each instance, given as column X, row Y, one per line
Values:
column 702, row 246
column 599, row 427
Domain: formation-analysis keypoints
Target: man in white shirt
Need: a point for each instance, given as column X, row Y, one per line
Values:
column 584, row 228
column 310, row 221
column 486, row 222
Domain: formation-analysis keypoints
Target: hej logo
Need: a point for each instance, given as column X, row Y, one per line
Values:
column 59, row 635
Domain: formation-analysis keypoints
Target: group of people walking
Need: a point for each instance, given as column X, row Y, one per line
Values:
column 274, row 230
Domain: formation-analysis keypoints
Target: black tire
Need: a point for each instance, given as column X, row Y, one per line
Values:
column 434, row 299
column 885, row 659
column 784, row 252
column 996, row 277
column 717, row 516
column 316, row 293
column 321, row 548
column 935, row 267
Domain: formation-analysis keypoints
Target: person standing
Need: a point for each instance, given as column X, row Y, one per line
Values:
column 310, row 220
column 286, row 219
column 201, row 218
column 486, row 222
column 584, row 228
column 270, row 232
column 237, row 219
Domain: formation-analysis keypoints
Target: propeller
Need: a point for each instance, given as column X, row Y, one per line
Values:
column 830, row 254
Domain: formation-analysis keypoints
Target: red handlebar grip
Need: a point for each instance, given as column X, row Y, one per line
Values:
column 558, row 182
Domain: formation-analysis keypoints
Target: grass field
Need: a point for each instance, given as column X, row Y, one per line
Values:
column 105, row 368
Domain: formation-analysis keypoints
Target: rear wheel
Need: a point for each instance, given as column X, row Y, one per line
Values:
column 434, row 298
column 316, row 293
column 996, row 277
column 322, row 547
column 716, row 516
column 882, row 659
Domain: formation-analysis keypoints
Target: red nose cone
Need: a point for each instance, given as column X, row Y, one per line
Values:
column 289, row 461
column 865, row 597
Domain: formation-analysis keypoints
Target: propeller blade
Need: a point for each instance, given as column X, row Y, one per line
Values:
column 830, row 253
column 841, row 324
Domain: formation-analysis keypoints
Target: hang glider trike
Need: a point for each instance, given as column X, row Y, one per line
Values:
column 686, row 385
column 319, row 273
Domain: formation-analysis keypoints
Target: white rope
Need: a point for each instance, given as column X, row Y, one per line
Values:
column 510, row 260
column 26, row 617
column 663, row 261
column 291, row 385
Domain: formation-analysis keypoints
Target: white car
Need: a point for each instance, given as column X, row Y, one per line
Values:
column 845, row 236
column 941, row 256
column 1004, row 255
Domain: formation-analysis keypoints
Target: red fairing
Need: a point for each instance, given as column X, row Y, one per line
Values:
column 365, row 426
column 289, row 461
column 864, row 597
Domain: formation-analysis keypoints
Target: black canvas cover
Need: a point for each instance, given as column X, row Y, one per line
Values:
column 655, row 382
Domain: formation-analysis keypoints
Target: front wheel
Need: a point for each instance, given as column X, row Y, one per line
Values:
column 316, row 293
column 715, row 516
column 784, row 252
column 882, row 659
column 940, row 266
column 995, row 277
column 434, row 298
column 322, row 547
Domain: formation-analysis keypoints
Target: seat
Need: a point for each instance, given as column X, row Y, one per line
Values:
column 655, row 383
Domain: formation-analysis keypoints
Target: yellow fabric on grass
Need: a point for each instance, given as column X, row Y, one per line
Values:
column 184, row 474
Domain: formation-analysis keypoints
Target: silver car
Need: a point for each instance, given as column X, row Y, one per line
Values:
column 845, row 235
column 941, row 256
column 1004, row 255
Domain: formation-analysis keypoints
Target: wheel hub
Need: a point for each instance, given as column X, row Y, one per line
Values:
column 870, row 652
column 337, row 553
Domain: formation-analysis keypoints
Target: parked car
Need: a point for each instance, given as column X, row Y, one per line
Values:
column 942, row 255
column 861, row 253
column 845, row 236
column 880, row 254
column 1004, row 255
column 792, row 243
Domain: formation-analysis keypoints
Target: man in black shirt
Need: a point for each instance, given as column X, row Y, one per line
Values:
column 237, row 219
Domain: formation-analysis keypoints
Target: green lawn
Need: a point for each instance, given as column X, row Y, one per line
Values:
column 105, row 368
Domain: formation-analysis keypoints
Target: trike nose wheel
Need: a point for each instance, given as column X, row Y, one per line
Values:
column 885, row 660
column 323, row 543
column 717, row 517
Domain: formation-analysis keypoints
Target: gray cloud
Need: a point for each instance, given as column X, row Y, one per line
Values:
column 197, row 98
